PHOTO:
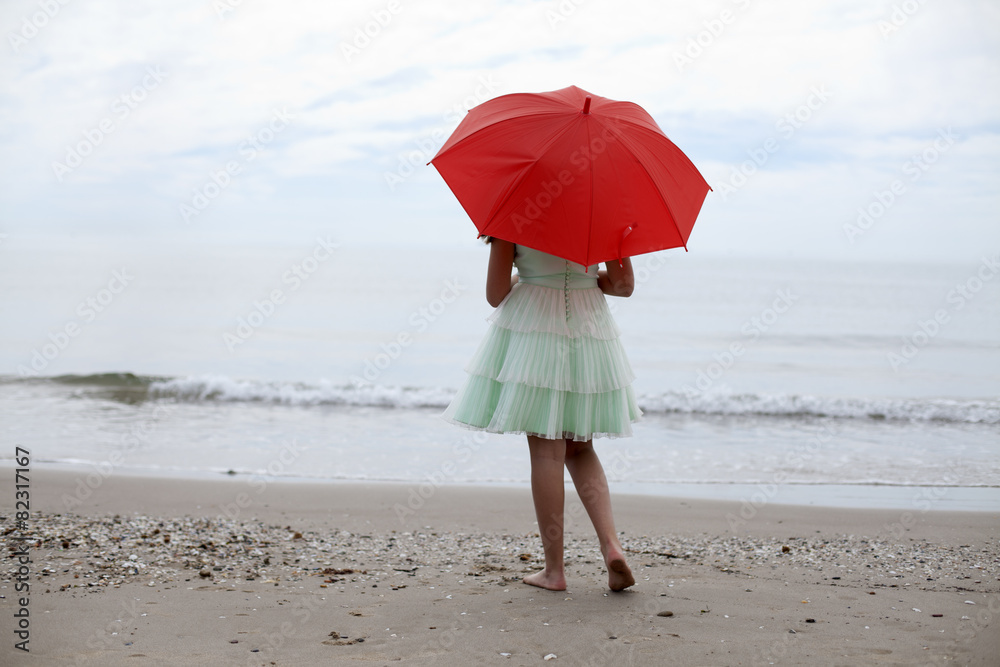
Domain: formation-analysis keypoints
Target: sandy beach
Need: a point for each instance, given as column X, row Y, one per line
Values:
column 237, row 571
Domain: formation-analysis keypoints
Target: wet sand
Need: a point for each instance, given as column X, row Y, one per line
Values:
column 236, row 571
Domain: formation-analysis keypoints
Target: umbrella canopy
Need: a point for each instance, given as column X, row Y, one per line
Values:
column 572, row 174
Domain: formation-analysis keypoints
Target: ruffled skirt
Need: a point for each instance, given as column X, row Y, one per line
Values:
column 551, row 365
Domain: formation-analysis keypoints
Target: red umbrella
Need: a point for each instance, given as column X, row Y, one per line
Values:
column 572, row 174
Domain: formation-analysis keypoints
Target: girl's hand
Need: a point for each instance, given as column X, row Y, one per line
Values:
column 498, row 280
column 617, row 280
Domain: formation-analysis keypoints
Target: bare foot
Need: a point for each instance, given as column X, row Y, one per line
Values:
column 545, row 580
column 619, row 575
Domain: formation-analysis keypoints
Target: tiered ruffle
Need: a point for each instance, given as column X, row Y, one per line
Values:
column 551, row 365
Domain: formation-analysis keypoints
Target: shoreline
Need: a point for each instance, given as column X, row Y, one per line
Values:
column 913, row 497
column 155, row 571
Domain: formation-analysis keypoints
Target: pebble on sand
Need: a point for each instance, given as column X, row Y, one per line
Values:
column 115, row 550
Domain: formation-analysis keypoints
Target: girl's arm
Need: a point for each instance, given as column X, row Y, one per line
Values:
column 498, row 280
column 618, row 279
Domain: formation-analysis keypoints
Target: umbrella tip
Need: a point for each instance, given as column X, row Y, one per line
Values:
column 586, row 105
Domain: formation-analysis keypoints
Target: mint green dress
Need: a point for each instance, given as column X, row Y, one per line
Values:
column 551, row 364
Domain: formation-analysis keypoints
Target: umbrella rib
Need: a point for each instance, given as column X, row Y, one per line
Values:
column 501, row 201
column 642, row 128
column 659, row 194
column 612, row 165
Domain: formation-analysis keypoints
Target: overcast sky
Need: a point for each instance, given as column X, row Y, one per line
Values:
column 205, row 120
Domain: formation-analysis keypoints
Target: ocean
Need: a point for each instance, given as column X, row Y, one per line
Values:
column 766, row 381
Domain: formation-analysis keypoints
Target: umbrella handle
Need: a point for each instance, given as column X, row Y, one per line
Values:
column 626, row 232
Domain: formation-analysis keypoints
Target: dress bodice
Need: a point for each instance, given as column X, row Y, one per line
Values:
column 535, row 267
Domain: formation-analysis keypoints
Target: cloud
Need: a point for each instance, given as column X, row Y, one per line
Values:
column 371, row 88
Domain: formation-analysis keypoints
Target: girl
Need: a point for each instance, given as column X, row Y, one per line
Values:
column 552, row 367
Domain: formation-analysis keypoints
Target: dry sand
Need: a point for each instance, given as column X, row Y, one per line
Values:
column 151, row 571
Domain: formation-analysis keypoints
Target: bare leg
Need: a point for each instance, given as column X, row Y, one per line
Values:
column 592, row 486
column 548, row 493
